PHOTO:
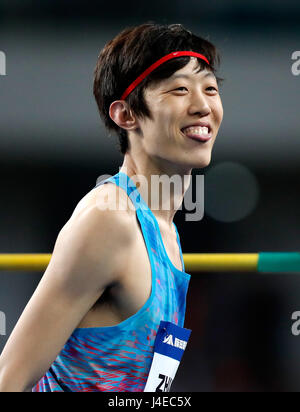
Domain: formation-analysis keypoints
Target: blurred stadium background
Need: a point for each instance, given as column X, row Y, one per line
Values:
column 53, row 147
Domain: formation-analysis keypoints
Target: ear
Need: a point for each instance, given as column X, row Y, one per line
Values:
column 122, row 115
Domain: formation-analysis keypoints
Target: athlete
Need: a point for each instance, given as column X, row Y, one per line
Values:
column 116, row 280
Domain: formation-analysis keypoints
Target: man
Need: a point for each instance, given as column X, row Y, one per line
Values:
column 117, row 269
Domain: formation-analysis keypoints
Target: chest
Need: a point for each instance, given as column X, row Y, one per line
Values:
column 134, row 288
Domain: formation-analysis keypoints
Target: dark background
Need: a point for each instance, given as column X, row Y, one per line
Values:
column 53, row 147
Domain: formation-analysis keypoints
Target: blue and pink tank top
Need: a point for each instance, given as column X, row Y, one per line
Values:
column 118, row 358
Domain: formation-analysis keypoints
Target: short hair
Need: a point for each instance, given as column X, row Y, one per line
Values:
column 130, row 53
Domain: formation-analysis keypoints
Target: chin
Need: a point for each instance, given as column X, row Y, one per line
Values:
column 201, row 162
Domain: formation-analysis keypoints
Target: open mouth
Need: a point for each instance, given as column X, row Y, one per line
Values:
column 200, row 133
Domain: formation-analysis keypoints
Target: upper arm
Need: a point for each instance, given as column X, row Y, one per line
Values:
column 88, row 256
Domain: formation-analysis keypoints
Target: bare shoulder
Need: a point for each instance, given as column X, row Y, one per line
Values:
column 98, row 236
column 108, row 196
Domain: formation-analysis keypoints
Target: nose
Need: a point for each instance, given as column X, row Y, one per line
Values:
column 199, row 104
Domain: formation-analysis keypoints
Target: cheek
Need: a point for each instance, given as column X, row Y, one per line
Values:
column 165, row 118
column 218, row 111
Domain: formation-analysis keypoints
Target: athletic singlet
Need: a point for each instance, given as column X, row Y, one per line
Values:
column 118, row 358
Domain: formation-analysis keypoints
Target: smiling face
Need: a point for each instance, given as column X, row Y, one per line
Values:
column 186, row 114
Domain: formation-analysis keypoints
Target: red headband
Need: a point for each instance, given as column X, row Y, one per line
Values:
column 158, row 63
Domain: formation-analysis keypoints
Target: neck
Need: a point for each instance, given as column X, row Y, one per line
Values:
column 162, row 188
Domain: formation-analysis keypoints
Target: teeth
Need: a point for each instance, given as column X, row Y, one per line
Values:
column 197, row 130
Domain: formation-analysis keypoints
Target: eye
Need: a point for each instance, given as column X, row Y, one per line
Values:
column 212, row 88
column 181, row 88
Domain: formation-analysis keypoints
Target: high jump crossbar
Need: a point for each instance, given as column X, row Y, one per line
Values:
column 263, row 262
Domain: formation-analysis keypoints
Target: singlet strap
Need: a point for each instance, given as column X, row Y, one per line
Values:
column 128, row 185
column 180, row 250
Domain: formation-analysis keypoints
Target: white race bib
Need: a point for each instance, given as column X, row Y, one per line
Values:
column 169, row 346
